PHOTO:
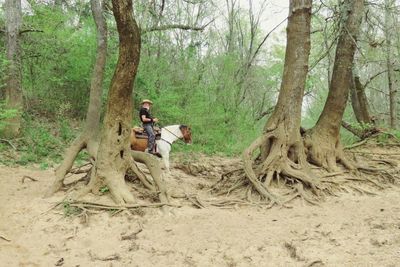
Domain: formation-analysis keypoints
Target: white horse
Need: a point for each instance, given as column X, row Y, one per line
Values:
column 169, row 134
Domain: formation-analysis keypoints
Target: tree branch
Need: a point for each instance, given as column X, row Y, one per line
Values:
column 376, row 75
column 353, row 130
column 175, row 26
column 264, row 113
column 265, row 39
column 29, row 30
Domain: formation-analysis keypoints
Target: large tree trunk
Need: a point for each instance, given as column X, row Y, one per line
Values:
column 389, row 64
column 359, row 101
column 13, row 90
column 89, row 137
column 322, row 141
column 282, row 151
column 114, row 153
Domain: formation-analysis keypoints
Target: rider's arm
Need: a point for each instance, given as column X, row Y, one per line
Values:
column 144, row 119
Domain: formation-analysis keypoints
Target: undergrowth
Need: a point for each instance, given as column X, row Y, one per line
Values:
column 41, row 142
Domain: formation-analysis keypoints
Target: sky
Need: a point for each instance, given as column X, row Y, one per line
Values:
column 275, row 12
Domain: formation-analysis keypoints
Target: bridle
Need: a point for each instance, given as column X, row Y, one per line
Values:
column 179, row 138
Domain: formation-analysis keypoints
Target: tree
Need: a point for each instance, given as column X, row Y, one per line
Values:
column 359, row 101
column 390, row 64
column 114, row 156
column 322, row 141
column 89, row 137
column 13, row 88
column 282, row 151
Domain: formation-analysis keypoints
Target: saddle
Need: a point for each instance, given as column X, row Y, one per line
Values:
column 140, row 133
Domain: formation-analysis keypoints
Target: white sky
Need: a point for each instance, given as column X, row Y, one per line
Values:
column 275, row 12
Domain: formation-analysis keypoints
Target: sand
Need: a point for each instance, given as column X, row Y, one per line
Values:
column 349, row 230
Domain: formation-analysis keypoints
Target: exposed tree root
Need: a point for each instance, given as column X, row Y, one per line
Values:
column 157, row 185
column 154, row 165
column 326, row 152
column 100, row 206
column 284, row 169
column 285, row 162
column 70, row 155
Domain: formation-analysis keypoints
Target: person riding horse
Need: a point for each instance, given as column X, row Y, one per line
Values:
column 148, row 122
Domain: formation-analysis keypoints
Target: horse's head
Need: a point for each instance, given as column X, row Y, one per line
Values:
column 186, row 133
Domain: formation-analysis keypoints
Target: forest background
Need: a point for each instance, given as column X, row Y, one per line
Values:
column 215, row 65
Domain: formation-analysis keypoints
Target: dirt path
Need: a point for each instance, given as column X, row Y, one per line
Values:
column 352, row 230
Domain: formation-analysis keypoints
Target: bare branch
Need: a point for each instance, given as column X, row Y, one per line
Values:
column 175, row 26
column 29, row 30
column 375, row 76
column 265, row 39
column 264, row 113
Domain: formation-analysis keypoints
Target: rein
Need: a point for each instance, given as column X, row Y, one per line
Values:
column 166, row 141
column 179, row 138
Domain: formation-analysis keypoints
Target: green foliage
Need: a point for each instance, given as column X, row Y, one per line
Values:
column 104, row 189
column 387, row 137
column 44, row 142
column 195, row 78
column 5, row 113
column 70, row 210
column 58, row 61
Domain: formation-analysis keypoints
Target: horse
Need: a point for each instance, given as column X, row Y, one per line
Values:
column 169, row 134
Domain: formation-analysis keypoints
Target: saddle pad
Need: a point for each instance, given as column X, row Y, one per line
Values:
column 140, row 133
column 140, row 130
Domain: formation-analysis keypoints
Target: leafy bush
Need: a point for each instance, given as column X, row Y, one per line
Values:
column 5, row 113
column 43, row 142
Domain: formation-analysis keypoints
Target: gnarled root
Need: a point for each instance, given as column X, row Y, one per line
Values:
column 326, row 151
column 85, row 140
column 115, row 180
column 285, row 160
column 154, row 165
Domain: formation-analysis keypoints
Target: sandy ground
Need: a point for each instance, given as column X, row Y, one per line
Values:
column 350, row 230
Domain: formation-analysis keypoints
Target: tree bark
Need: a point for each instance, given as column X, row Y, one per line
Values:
column 13, row 88
column 322, row 141
column 89, row 137
column 282, row 151
column 359, row 101
column 114, row 153
column 389, row 65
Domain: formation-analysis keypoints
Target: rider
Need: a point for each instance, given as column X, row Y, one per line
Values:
column 148, row 121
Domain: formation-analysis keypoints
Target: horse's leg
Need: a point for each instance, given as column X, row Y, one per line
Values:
column 166, row 162
column 165, row 158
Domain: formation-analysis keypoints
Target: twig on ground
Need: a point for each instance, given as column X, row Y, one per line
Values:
column 293, row 251
column 112, row 257
column 375, row 153
column 2, row 236
column 333, row 174
column 356, row 144
column 315, row 263
column 28, row 177
column 8, row 142
column 95, row 205
column 132, row 235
